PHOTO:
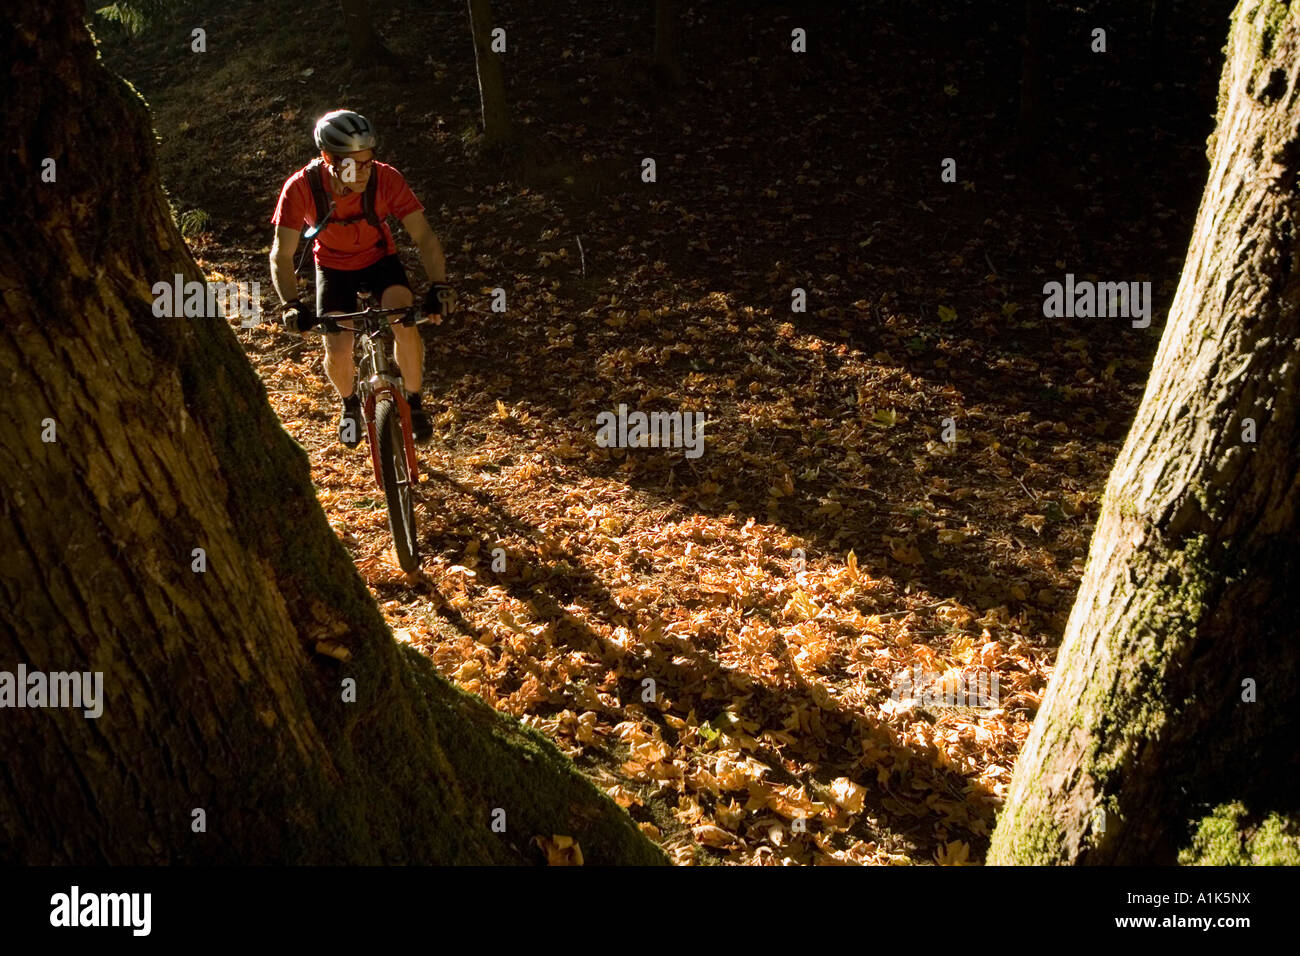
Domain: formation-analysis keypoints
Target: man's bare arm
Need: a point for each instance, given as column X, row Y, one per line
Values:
column 283, row 275
column 435, row 264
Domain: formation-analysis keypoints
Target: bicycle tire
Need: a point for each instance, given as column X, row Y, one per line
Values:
column 397, row 483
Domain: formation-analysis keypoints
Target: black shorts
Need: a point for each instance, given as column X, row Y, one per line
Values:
column 336, row 289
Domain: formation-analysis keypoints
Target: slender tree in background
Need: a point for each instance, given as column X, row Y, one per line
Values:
column 491, row 87
column 160, row 527
column 667, row 70
column 1176, row 687
column 1032, row 92
column 1154, row 57
column 365, row 48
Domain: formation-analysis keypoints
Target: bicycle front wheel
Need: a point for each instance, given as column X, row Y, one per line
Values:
column 397, row 483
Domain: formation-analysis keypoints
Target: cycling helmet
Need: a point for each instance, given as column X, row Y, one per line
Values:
column 344, row 131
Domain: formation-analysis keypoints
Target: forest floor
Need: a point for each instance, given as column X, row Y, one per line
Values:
column 718, row 641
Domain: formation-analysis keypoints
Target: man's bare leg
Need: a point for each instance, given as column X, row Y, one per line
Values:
column 342, row 371
column 408, row 347
column 338, row 362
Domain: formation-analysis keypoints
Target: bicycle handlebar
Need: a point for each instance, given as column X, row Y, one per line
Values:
column 320, row 328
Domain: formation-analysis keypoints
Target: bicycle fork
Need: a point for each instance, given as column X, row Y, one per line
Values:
column 412, row 463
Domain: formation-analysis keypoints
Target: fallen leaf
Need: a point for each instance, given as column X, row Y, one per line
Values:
column 713, row 836
column 848, row 794
column 331, row 649
column 560, row 850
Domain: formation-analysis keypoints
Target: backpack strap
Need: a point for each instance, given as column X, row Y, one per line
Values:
column 316, row 181
column 368, row 198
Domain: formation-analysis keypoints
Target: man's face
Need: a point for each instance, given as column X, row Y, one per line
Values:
column 352, row 169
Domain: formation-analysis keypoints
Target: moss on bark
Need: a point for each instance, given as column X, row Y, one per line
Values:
column 1226, row 837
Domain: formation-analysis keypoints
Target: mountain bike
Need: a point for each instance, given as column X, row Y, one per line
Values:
column 388, row 420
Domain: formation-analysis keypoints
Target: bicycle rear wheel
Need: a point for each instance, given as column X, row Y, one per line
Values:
column 397, row 483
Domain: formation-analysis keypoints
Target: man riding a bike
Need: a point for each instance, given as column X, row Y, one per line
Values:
column 343, row 199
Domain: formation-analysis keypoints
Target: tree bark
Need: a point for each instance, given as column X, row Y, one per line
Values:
column 213, row 697
column 491, row 87
column 1191, row 583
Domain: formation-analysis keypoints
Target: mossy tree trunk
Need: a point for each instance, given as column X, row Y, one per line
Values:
column 213, row 699
column 491, row 86
column 1191, row 585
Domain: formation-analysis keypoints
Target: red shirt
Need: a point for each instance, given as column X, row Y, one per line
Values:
column 352, row 245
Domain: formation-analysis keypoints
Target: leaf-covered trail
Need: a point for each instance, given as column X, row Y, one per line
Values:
column 772, row 694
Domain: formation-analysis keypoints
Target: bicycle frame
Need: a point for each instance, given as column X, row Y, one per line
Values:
column 375, row 379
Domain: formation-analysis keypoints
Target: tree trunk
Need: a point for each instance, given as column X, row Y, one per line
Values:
column 667, row 71
column 213, row 697
column 1155, row 58
column 365, row 48
column 1190, row 587
column 1029, row 118
column 491, row 88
